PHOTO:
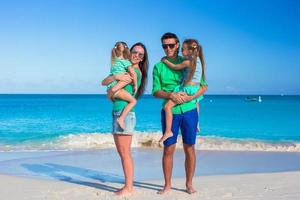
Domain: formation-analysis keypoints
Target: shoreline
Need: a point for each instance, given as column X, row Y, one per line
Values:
column 97, row 141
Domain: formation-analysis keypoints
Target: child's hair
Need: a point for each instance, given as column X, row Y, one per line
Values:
column 117, row 52
column 196, row 52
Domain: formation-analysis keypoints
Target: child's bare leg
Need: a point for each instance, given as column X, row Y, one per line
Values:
column 198, row 111
column 124, row 95
column 169, row 118
column 119, row 86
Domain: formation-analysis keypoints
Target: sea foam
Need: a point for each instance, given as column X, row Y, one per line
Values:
column 90, row 141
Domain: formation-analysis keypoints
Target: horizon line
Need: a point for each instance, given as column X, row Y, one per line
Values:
column 148, row 94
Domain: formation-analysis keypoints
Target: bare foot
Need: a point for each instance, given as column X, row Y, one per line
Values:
column 190, row 190
column 166, row 135
column 124, row 191
column 164, row 191
column 121, row 123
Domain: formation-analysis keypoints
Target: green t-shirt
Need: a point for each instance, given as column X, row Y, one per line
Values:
column 166, row 79
column 119, row 104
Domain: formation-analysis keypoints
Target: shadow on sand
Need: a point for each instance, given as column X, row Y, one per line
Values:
column 80, row 176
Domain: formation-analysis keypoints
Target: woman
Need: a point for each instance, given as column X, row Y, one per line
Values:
column 123, row 137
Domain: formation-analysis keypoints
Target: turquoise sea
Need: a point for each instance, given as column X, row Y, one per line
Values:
column 49, row 122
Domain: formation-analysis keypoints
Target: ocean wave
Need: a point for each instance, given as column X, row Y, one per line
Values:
column 91, row 141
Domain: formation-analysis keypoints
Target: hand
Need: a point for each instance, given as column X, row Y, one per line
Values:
column 123, row 77
column 185, row 97
column 176, row 98
column 163, row 59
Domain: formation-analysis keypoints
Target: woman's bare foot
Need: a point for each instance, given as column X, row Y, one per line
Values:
column 166, row 135
column 124, row 191
column 190, row 190
column 164, row 191
column 121, row 123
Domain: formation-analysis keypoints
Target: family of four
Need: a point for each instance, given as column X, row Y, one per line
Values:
column 178, row 80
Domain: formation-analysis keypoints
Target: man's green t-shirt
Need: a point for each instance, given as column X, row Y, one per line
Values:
column 119, row 104
column 166, row 79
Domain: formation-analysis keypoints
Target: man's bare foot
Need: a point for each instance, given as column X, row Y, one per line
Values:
column 124, row 191
column 121, row 123
column 190, row 190
column 164, row 191
column 166, row 135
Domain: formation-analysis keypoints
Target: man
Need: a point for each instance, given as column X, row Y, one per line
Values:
column 185, row 114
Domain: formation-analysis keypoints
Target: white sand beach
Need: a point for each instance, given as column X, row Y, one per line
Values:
column 273, row 186
column 98, row 174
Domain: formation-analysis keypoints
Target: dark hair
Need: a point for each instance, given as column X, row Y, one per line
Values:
column 169, row 35
column 197, row 50
column 143, row 65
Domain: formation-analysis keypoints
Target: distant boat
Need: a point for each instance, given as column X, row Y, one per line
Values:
column 258, row 99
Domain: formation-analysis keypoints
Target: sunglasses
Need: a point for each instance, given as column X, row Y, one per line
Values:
column 140, row 55
column 123, row 43
column 183, row 49
column 165, row 46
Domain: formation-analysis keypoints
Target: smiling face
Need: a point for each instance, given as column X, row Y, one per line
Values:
column 185, row 51
column 170, row 47
column 137, row 54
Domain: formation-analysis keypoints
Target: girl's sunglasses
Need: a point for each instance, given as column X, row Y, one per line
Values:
column 140, row 55
column 123, row 43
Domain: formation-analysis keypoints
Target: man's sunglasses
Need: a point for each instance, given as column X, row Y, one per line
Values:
column 165, row 46
column 140, row 55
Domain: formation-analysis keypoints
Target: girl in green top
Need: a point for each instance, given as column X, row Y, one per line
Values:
column 120, row 64
column 193, row 78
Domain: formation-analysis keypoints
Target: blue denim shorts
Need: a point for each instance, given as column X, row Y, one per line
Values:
column 129, row 121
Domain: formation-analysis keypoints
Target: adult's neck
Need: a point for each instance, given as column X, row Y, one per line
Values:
column 136, row 66
column 173, row 57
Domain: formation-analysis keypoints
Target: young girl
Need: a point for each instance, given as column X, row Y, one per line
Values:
column 193, row 79
column 120, row 63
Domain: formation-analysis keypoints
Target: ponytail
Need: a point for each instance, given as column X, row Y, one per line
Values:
column 201, row 57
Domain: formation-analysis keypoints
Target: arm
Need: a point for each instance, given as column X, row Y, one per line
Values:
column 159, row 93
column 134, row 77
column 180, row 66
column 118, row 77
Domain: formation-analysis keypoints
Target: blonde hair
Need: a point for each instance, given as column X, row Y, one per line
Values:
column 197, row 51
column 117, row 52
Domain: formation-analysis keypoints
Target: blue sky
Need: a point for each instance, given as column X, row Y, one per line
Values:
column 63, row 46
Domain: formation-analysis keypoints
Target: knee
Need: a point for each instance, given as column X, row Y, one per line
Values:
column 167, row 106
column 189, row 149
column 168, row 151
column 124, row 153
column 133, row 101
column 113, row 89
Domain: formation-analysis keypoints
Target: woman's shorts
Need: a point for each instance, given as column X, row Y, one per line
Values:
column 129, row 122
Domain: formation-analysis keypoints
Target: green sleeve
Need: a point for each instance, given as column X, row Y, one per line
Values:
column 156, row 80
column 126, row 63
